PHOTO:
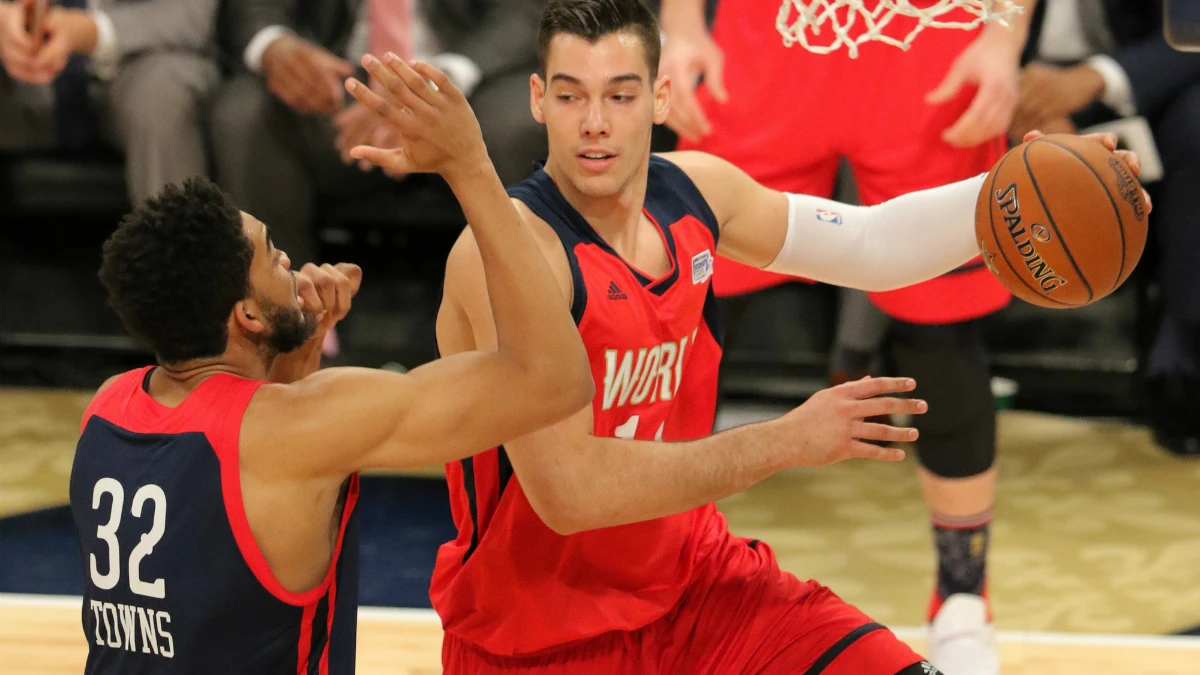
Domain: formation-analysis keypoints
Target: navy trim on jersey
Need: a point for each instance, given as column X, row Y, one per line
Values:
column 533, row 192
column 670, row 195
column 505, row 470
column 468, row 466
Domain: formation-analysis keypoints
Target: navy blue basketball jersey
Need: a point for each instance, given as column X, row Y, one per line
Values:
column 173, row 579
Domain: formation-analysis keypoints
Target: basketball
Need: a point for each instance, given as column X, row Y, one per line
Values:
column 1061, row 221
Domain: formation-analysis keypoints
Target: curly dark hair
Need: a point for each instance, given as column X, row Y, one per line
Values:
column 593, row 20
column 175, row 268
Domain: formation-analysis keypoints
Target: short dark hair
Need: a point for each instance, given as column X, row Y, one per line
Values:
column 596, row 19
column 175, row 268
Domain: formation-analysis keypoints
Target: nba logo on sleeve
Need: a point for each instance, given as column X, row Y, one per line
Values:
column 702, row 267
column 827, row 216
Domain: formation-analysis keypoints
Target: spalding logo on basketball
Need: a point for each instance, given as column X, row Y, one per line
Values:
column 1061, row 221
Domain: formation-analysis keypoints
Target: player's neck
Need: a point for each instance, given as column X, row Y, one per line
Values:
column 184, row 376
column 614, row 217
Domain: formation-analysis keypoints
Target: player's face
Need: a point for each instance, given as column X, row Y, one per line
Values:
column 273, row 289
column 599, row 107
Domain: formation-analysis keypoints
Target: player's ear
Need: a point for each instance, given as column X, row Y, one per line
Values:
column 248, row 316
column 662, row 99
column 537, row 93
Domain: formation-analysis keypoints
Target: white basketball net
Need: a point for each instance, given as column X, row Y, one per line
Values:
column 798, row 18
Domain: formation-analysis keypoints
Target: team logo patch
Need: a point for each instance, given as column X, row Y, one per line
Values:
column 702, row 267
column 827, row 216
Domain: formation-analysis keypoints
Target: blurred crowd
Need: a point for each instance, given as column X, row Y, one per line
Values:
column 250, row 93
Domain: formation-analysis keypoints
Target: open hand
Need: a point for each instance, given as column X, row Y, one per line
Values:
column 438, row 130
column 830, row 426
column 686, row 57
column 991, row 62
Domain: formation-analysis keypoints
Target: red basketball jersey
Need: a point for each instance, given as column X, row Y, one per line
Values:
column 508, row 582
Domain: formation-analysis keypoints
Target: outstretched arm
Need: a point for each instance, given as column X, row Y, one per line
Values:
column 576, row 480
column 346, row 419
column 900, row 242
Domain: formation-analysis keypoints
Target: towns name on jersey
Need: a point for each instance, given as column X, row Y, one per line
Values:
column 650, row 373
column 132, row 628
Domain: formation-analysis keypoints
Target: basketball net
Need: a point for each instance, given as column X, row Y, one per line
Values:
column 798, row 18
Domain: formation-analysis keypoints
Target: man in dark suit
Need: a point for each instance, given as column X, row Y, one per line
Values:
column 1093, row 61
column 282, row 126
column 134, row 75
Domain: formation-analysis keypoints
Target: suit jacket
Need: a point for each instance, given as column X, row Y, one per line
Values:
column 1157, row 72
column 143, row 25
column 499, row 36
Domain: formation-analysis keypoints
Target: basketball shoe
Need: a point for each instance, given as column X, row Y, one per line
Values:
column 962, row 639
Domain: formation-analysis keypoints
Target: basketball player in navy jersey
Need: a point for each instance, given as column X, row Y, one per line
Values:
column 215, row 509
column 592, row 545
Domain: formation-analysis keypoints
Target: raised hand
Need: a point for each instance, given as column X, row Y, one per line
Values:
column 830, row 426
column 686, row 57
column 326, row 291
column 438, row 130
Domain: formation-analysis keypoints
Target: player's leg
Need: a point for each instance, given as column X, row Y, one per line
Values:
column 938, row 343
column 745, row 615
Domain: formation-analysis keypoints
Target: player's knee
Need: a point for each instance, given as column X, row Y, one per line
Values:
column 958, row 433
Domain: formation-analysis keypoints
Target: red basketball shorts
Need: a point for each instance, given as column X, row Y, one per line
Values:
column 742, row 614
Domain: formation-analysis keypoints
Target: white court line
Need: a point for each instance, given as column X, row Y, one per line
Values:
column 418, row 615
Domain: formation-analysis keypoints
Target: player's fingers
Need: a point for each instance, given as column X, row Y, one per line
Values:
column 307, row 292
column 974, row 126
column 870, row 431
column 419, row 88
column 395, row 89
column 714, row 74
column 888, row 405
column 389, row 111
column 392, row 160
column 353, row 272
column 860, row 450
column 1030, row 135
column 949, row 85
column 340, row 292
column 1131, row 160
column 688, row 118
column 874, row 386
column 1107, row 139
column 441, row 82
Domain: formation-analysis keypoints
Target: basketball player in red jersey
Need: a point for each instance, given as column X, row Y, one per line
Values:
column 593, row 545
column 904, row 121
column 215, row 493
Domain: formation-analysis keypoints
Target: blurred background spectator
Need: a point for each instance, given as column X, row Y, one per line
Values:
column 133, row 75
column 1095, row 61
column 282, row 126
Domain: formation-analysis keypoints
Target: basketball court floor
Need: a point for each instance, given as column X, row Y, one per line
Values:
column 1095, row 563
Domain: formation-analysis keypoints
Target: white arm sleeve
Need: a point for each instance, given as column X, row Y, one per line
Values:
column 898, row 243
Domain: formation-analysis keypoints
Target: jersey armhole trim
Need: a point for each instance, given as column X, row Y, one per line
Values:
column 229, row 457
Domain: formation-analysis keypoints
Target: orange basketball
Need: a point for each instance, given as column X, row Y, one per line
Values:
column 1061, row 221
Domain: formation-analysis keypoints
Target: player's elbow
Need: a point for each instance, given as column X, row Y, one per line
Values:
column 566, row 390
column 557, row 511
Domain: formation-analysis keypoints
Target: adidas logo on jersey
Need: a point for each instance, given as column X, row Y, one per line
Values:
column 615, row 292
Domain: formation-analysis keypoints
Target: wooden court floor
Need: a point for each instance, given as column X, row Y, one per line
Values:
column 41, row 635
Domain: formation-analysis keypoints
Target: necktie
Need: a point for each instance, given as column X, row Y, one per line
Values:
column 72, row 113
column 390, row 27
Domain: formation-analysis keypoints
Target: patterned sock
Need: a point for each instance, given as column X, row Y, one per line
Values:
column 962, row 544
